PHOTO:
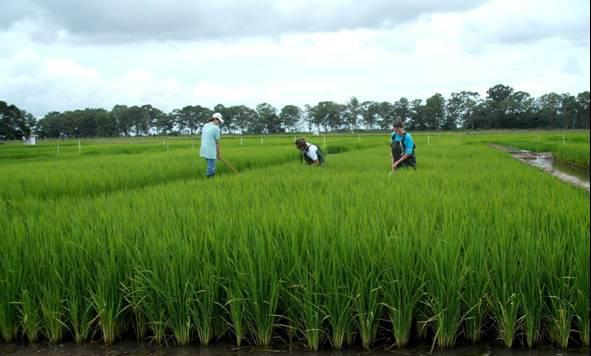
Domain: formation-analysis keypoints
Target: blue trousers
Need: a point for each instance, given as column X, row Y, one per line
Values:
column 210, row 171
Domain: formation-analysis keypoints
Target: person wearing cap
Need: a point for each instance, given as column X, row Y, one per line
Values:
column 310, row 152
column 210, row 143
column 403, row 147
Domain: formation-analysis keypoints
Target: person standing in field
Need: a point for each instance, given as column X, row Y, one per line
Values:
column 403, row 147
column 310, row 152
column 210, row 143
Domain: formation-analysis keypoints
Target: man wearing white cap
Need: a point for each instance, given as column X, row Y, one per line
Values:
column 210, row 143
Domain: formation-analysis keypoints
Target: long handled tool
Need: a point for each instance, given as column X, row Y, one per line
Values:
column 229, row 166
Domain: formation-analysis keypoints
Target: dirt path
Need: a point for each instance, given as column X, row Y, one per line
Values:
column 544, row 161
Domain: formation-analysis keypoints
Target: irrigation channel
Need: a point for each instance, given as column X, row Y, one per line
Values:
column 544, row 160
column 131, row 348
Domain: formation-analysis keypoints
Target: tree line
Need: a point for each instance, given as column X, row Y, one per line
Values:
column 501, row 108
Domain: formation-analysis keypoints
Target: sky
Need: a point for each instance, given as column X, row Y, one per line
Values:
column 58, row 55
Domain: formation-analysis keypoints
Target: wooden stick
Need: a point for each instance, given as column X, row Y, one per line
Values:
column 229, row 166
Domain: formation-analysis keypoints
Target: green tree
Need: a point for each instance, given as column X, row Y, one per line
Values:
column 549, row 106
column 190, row 118
column 434, row 112
column 568, row 111
column 386, row 114
column 15, row 123
column 242, row 119
column 106, row 126
column 50, row 125
column 370, row 112
column 290, row 116
column 582, row 116
column 497, row 101
column 269, row 121
column 402, row 109
column 468, row 116
column 164, row 123
column 519, row 111
column 352, row 114
column 459, row 110
column 417, row 115
column 329, row 115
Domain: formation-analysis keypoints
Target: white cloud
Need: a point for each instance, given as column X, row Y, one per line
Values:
column 533, row 46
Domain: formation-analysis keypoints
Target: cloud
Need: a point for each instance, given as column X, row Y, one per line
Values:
column 114, row 21
column 515, row 22
column 533, row 46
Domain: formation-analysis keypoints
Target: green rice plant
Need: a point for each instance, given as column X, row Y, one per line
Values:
column 11, row 276
column 207, row 291
column 135, row 296
column 561, row 294
column 532, row 291
column 75, row 270
column 506, row 297
column 51, row 306
column 367, row 302
column 581, row 267
column 304, row 285
column 577, row 154
column 447, row 275
column 339, row 297
column 321, row 256
column 178, row 294
column 258, row 260
column 29, row 319
column 235, row 305
column 475, row 295
column 147, row 304
column 403, row 281
column 106, row 295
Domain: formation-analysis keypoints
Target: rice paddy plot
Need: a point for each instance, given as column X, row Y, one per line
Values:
column 471, row 246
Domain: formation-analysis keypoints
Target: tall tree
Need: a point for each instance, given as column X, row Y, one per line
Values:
column 417, row 115
column 370, row 112
column 386, row 114
column 105, row 124
column 329, row 115
column 190, row 118
column 549, row 106
column 434, row 112
column 402, row 109
column 290, row 116
column 582, row 120
column 497, row 101
column 352, row 114
column 454, row 109
column 569, row 111
column 50, row 125
column 268, row 118
column 14, row 123
column 519, row 111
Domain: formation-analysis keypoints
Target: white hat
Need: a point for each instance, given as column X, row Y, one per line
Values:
column 218, row 117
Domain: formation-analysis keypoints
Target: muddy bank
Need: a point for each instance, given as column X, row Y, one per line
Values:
column 129, row 348
column 546, row 162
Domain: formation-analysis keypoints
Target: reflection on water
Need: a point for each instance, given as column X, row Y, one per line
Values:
column 544, row 161
column 129, row 348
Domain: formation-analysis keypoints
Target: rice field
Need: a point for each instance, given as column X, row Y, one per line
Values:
column 118, row 240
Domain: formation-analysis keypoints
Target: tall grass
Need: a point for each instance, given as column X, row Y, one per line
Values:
column 341, row 256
